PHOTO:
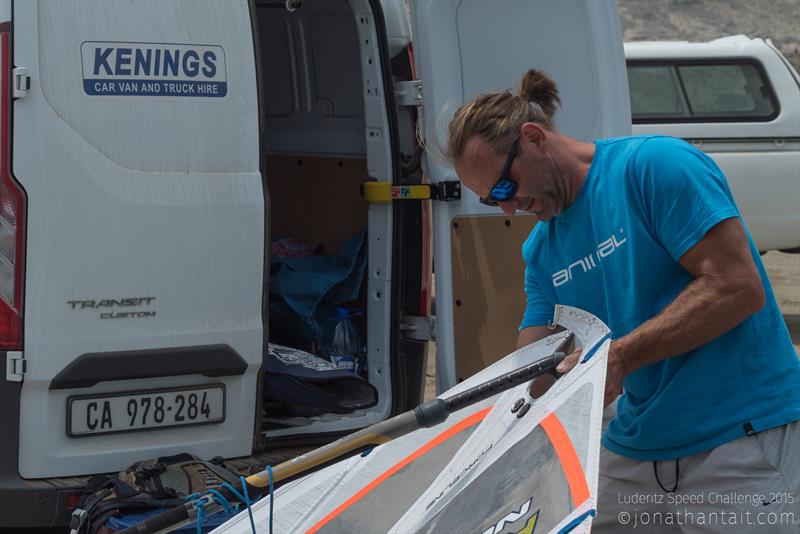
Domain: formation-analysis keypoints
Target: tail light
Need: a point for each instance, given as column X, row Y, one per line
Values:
column 12, row 217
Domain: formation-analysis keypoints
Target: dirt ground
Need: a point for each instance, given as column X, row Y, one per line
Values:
column 705, row 20
column 784, row 275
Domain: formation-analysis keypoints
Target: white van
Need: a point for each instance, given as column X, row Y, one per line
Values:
column 737, row 99
column 152, row 151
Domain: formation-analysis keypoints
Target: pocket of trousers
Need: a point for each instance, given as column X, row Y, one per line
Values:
column 763, row 456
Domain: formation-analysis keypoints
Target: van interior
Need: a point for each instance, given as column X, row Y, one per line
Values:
column 321, row 85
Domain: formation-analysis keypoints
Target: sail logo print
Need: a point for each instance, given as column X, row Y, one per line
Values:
column 515, row 517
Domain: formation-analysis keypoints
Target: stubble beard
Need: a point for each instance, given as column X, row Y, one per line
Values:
column 560, row 194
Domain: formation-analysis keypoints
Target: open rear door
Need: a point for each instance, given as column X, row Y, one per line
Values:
column 464, row 48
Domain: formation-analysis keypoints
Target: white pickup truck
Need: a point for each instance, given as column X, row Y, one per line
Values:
column 737, row 99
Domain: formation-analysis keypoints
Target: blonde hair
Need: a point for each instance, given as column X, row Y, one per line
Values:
column 498, row 117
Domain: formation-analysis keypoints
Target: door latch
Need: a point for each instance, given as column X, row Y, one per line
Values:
column 22, row 82
column 15, row 366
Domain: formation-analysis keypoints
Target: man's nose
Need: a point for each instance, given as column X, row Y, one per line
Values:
column 509, row 207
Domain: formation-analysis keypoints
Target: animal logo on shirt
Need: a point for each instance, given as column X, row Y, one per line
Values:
column 603, row 250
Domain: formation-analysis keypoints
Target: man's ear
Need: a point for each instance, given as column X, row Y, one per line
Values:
column 532, row 132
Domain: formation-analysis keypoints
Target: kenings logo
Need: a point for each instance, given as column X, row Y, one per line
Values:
column 153, row 69
column 603, row 250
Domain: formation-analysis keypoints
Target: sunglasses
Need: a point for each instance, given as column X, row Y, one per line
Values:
column 504, row 188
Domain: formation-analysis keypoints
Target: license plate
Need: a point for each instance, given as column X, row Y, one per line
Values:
column 144, row 410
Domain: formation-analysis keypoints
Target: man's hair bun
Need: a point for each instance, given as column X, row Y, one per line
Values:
column 538, row 87
column 498, row 116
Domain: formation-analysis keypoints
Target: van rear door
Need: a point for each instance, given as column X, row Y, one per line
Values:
column 463, row 48
column 137, row 145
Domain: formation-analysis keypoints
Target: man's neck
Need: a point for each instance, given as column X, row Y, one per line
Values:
column 576, row 158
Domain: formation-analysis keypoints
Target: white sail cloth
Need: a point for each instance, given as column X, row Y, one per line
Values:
column 482, row 470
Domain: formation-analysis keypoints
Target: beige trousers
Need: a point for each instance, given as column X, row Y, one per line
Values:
column 748, row 485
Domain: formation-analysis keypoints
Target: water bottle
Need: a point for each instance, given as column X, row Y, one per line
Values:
column 344, row 347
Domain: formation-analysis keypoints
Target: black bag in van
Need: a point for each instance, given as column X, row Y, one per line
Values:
column 302, row 384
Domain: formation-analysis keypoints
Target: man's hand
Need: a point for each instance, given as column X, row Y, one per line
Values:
column 569, row 362
column 541, row 384
column 615, row 372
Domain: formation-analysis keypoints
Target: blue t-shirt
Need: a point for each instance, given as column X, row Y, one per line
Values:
column 614, row 252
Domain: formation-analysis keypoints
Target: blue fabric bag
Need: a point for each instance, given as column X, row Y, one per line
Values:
column 307, row 289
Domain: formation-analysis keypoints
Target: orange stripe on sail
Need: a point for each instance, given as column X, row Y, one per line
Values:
column 472, row 420
column 570, row 462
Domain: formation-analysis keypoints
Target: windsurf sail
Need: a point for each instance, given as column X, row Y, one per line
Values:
column 499, row 466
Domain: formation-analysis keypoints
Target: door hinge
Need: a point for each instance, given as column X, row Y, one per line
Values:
column 384, row 193
column 15, row 366
column 22, row 82
column 408, row 93
column 418, row 327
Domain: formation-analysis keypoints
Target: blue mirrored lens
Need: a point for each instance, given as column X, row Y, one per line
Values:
column 503, row 190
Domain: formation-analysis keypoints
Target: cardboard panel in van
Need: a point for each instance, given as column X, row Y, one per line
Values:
column 488, row 288
column 317, row 200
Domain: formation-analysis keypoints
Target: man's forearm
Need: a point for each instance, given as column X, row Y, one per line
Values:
column 707, row 308
column 535, row 333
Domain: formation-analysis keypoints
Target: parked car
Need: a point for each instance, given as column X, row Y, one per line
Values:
column 737, row 99
column 152, row 152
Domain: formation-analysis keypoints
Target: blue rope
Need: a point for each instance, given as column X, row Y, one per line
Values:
column 201, row 516
column 201, row 506
column 594, row 349
column 577, row 521
column 271, row 497
column 249, row 510
column 244, row 498
column 221, row 500
column 200, row 510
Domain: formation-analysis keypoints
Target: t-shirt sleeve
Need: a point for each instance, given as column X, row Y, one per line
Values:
column 683, row 192
column 538, row 311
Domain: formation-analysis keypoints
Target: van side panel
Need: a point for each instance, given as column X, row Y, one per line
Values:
column 145, row 221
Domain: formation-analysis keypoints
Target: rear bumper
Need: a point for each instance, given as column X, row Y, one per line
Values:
column 36, row 503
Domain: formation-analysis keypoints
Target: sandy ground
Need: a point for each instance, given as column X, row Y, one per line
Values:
column 784, row 275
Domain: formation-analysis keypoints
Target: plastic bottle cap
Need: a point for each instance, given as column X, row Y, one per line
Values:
column 341, row 313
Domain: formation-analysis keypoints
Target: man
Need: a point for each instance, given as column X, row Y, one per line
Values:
column 708, row 418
